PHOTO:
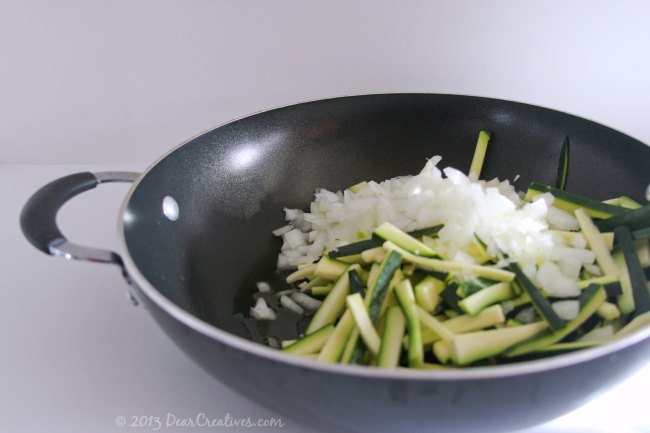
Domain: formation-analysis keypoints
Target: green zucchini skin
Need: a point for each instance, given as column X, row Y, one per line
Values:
column 406, row 300
column 333, row 304
column 374, row 242
column 477, row 301
column 591, row 300
column 633, row 219
column 356, row 248
column 570, row 202
column 310, row 343
column 388, row 267
column 356, row 285
column 389, row 232
column 563, row 166
column 542, row 305
column 391, row 341
column 638, row 280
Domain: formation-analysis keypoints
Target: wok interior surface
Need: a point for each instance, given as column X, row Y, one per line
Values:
column 232, row 183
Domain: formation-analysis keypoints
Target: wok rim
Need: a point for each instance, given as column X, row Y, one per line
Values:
column 515, row 369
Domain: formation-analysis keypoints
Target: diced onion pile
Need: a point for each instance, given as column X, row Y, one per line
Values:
column 520, row 231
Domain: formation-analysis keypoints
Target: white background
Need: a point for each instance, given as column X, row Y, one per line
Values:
column 125, row 80
column 107, row 85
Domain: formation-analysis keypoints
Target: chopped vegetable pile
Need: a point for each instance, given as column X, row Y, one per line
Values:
column 443, row 270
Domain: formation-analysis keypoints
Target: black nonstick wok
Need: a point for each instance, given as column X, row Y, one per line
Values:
column 195, row 236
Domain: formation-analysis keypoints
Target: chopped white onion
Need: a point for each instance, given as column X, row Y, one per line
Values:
column 282, row 230
column 567, row 310
column 294, row 238
column 284, row 292
column 306, row 301
column 262, row 311
column 263, row 286
column 492, row 210
column 290, row 304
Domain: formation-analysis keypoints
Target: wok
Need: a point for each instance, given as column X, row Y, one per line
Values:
column 195, row 235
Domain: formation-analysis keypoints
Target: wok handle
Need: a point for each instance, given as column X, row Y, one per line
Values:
column 38, row 217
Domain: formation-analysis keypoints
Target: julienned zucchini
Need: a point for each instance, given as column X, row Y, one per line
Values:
column 638, row 281
column 570, row 202
column 406, row 300
column 473, row 346
column 333, row 348
column 487, row 318
column 415, row 300
column 451, row 265
column 310, row 343
column 563, row 166
column 542, row 305
column 374, row 242
column 377, row 293
column 427, row 292
column 333, row 304
column 329, row 268
column 633, row 219
column 477, row 301
column 479, row 154
column 363, row 322
column 596, row 297
column 391, row 339
column 389, row 232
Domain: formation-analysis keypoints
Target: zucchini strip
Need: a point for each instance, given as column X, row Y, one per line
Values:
column 596, row 243
column 634, row 219
column 635, row 271
column 474, row 346
column 442, row 351
column 301, row 273
column 550, row 337
column 377, row 293
column 541, row 304
column 451, row 266
column 569, row 202
column 605, row 260
column 361, row 246
column 406, row 300
column 329, row 268
column 490, row 316
column 477, row 301
column 479, row 154
column 435, row 325
column 335, row 344
column 563, row 165
column 354, row 349
column 391, row 233
column 355, row 248
column 640, row 321
column 608, row 311
column 394, row 328
column 310, row 343
column 364, row 324
column 427, row 231
column 624, row 201
column 427, row 293
column 333, row 304
column 356, row 285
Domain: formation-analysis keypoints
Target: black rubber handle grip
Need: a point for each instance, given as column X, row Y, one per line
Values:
column 38, row 217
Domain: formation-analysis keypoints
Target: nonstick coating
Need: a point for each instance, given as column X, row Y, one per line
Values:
column 232, row 183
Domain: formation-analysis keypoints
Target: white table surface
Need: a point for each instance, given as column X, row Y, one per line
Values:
column 77, row 355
